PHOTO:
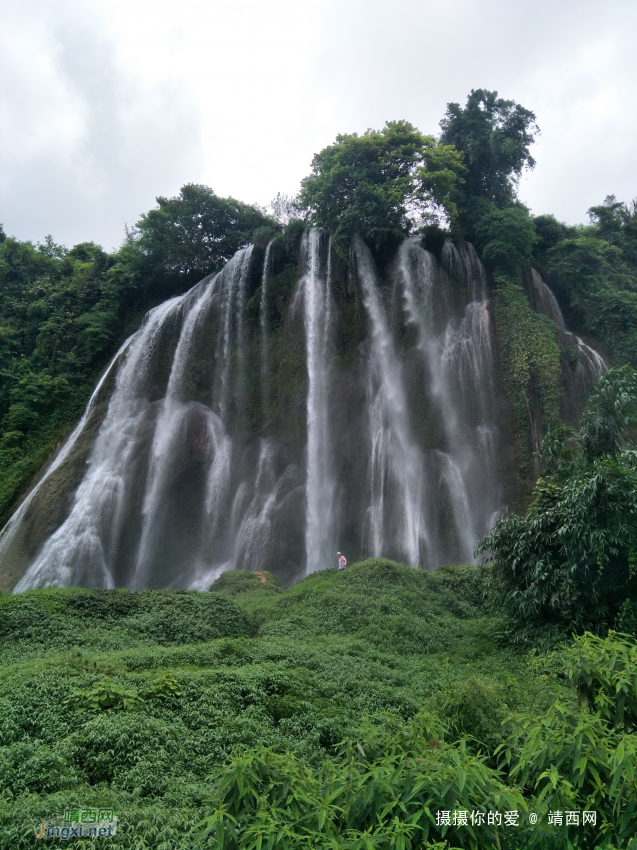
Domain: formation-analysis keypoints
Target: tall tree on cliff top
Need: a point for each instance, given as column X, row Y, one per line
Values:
column 382, row 185
column 193, row 234
column 494, row 136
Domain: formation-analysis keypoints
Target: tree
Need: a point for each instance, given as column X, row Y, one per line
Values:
column 506, row 238
column 284, row 208
column 193, row 234
column 573, row 558
column 616, row 222
column 382, row 185
column 494, row 136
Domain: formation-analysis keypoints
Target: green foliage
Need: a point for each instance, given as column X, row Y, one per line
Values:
column 371, row 700
column 530, row 361
column 72, row 617
column 594, row 272
column 573, row 557
column 494, row 136
column 106, row 694
column 360, row 800
column 616, row 223
column 505, row 238
column 571, row 760
column 604, row 672
column 584, row 758
column 610, row 417
column 235, row 582
column 195, row 233
column 381, row 185
column 549, row 232
column 474, row 710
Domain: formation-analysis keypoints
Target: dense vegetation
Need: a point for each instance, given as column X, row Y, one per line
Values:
column 345, row 712
column 573, row 558
column 593, row 270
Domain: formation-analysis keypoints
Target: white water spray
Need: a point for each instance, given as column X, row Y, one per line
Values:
column 320, row 483
column 395, row 458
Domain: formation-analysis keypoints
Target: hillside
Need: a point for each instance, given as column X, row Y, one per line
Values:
column 365, row 694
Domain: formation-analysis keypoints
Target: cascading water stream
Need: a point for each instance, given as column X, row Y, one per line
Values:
column 170, row 425
column 395, row 458
column 7, row 536
column 255, row 526
column 80, row 551
column 167, row 431
column 265, row 330
column 591, row 365
column 459, row 362
column 220, row 441
column 233, row 295
column 320, row 487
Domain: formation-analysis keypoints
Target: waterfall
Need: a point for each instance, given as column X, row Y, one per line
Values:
column 457, row 354
column 319, row 539
column 167, row 431
column 395, row 458
column 256, row 524
column 80, row 551
column 92, row 533
column 263, row 310
column 13, row 526
column 193, row 458
column 591, row 362
column 233, row 295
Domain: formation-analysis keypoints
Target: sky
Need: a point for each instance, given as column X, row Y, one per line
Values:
column 106, row 104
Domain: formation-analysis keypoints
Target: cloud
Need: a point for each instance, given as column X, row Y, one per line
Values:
column 85, row 147
column 108, row 103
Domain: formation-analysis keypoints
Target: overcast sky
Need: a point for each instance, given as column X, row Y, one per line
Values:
column 105, row 104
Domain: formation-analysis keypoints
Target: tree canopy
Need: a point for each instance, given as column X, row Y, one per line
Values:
column 494, row 136
column 381, row 185
column 506, row 238
column 194, row 233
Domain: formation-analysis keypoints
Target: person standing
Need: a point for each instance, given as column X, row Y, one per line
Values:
column 342, row 560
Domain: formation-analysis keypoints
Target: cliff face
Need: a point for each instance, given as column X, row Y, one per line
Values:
column 286, row 408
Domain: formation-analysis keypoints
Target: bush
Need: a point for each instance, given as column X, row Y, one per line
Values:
column 235, row 582
column 63, row 618
column 572, row 558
